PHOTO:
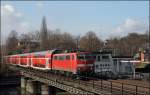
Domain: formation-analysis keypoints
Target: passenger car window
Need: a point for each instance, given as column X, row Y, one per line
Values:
column 61, row 57
column 72, row 57
column 55, row 57
column 68, row 57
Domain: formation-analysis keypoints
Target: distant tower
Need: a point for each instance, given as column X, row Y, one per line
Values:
column 44, row 35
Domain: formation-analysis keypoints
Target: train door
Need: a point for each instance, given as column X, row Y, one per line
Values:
column 50, row 59
column 47, row 62
column 114, row 66
column 120, row 67
column 68, row 62
column 19, row 60
column 73, row 65
column 97, row 64
column 129, row 68
column 29, row 58
column 29, row 61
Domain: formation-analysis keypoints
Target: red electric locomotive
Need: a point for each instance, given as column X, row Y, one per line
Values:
column 78, row 63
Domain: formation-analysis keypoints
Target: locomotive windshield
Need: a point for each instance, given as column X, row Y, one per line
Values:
column 85, row 57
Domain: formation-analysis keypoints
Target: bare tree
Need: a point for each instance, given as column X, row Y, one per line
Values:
column 129, row 44
column 90, row 42
column 35, row 35
column 12, row 41
column 61, row 40
column 67, row 41
column 54, row 39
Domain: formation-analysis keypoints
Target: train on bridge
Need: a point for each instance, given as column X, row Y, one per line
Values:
column 58, row 61
column 72, row 62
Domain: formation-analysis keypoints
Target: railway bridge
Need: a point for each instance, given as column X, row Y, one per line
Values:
column 36, row 81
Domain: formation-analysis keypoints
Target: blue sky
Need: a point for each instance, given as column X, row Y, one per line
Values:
column 106, row 18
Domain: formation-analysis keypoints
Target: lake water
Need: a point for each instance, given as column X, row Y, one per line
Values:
column 10, row 90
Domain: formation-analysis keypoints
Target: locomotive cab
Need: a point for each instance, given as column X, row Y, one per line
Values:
column 85, row 64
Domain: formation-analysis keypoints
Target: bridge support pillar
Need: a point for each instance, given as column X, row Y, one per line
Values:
column 30, row 87
column 52, row 90
column 23, row 82
column 37, row 88
column 23, row 85
column 48, row 90
column 44, row 89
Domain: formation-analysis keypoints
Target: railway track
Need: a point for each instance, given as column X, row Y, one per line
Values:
column 133, row 82
column 118, row 88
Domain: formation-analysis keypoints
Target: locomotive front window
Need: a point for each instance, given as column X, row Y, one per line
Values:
column 85, row 57
column 89, row 57
column 105, row 58
column 80, row 57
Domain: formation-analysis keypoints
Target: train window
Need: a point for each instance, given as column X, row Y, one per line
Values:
column 105, row 58
column 80, row 57
column 115, row 61
column 88, row 57
column 72, row 57
column 58, row 58
column 39, row 56
column 120, row 64
column 96, row 66
column 101, row 65
column 61, row 58
column 68, row 57
column 55, row 57
column 93, row 57
column 98, row 58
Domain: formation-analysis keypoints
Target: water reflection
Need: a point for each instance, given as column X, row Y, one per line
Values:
column 10, row 90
